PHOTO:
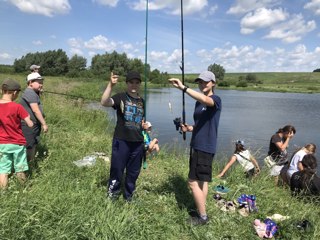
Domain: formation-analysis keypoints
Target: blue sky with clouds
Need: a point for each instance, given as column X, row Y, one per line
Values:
column 240, row 35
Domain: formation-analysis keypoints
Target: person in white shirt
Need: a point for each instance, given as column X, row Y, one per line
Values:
column 295, row 164
column 246, row 160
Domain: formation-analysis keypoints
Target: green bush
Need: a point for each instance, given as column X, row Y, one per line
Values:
column 224, row 84
column 6, row 69
column 242, row 84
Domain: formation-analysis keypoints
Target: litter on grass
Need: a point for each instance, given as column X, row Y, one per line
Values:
column 90, row 160
column 278, row 217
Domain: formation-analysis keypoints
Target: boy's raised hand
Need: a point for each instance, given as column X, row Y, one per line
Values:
column 114, row 78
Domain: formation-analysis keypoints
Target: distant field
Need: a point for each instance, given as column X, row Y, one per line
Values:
column 273, row 81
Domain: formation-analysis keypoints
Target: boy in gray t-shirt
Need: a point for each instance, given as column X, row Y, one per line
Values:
column 30, row 100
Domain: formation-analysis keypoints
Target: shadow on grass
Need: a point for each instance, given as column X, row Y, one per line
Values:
column 179, row 186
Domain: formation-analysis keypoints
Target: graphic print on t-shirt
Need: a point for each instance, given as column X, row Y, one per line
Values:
column 133, row 113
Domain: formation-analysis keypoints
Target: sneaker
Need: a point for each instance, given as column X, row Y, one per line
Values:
column 221, row 189
column 113, row 196
column 244, row 211
column 304, row 225
column 197, row 220
column 228, row 207
column 217, row 197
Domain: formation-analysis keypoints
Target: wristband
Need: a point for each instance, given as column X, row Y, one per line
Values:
column 185, row 89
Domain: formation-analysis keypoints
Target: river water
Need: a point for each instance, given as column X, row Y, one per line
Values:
column 251, row 116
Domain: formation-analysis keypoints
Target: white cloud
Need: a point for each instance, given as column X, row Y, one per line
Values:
column 75, row 42
column 76, row 51
column 4, row 56
column 261, row 18
column 175, row 56
column 53, row 36
column 172, row 6
column 156, row 56
column 111, row 3
column 313, row 6
column 292, row 30
column 37, row 42
column 165, row 61
column 76, row 45
column 248, row 58
column 42, row 7
column 127, row 46
column 100, row 43
column 279, row 50
column 244, row 6
column 205, row 55
column 300, row 58
column 91, row 53
column 213, row 9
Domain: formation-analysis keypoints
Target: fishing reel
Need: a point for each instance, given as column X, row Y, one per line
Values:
column 177, row 122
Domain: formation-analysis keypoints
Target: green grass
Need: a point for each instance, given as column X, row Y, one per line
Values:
column 62, row 201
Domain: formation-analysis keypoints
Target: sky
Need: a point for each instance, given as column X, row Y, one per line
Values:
column 240, row 35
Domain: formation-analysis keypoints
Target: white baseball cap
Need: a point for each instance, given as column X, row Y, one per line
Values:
column 34, row 76
column 206, row 76
column 148, row 124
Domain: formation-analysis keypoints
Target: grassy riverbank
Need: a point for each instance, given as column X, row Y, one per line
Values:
column 62, row 201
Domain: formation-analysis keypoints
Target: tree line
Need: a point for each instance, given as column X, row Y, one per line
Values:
column 57, row 63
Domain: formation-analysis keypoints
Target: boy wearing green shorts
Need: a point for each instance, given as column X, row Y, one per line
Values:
column 12, row 141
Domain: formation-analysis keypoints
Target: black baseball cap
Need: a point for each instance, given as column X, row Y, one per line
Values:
column 133, row 75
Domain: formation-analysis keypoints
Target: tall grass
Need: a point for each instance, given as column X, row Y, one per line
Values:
column 63, row 201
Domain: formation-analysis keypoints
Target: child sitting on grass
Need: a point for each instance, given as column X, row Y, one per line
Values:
column 150, row 145
column 306, row 181
column 244, row 157
column 12, row 141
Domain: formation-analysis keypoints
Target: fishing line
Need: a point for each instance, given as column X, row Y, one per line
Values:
column 70, row 95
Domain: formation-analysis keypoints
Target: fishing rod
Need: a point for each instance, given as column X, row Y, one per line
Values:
column 70, row 95
column 182, row 70
column 145, row 85
column 145, row 63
